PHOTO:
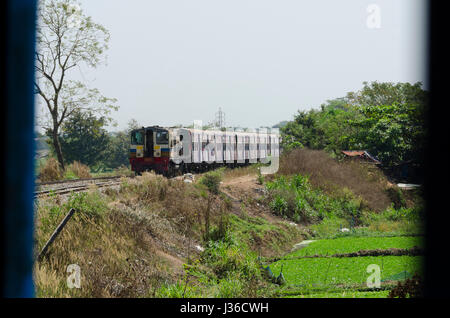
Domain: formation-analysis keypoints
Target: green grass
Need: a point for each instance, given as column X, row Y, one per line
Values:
column 354, row 244
column 70, row 175
column 346, row 271
column 229, row 266
column 343, row 294
column 120, row 171
column 334, row 277
column 295, row 198
column 258, row 232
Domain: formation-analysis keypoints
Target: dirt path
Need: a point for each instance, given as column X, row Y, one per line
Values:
column 245, row 189
column 245, row 193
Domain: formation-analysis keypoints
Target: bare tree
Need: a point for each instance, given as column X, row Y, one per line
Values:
column 67, row 38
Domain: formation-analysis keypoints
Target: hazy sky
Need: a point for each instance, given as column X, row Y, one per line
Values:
column 174, row 61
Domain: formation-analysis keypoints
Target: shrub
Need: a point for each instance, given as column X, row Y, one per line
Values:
column 89, row 204
column 178, row 290
column 230, row 287
column 123, row 171
column 330, row 175
column 149, row 187
column 328, row 227
column 50, row 171
column 221, row 232
column 294, row 197
column 212, row 180
column 401, row 214
column 260, row 177
column 226, row 257
column 279, row 205
column 80, row 170
column 397, row 197
column 50, row 219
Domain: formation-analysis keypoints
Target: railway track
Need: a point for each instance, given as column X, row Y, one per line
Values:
column 76, row 180
column 76, row 185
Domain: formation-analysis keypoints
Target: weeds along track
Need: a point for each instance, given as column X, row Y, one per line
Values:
column 77, row 185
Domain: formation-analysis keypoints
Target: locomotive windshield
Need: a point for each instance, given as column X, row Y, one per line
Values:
column 162, row 137
column 137, row 138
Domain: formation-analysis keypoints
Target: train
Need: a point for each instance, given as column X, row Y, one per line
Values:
column 172, row 151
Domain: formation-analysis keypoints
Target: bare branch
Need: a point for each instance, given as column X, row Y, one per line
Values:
column 61, row 47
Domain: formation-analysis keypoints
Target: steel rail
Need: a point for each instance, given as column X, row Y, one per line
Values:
column 75, row 180
column 73, row 189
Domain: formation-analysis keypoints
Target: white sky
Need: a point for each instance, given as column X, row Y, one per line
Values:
column 174, row 61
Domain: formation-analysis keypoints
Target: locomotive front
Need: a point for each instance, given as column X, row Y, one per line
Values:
column 149, row 149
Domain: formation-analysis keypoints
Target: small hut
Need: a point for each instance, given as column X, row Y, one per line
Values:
column 360, row 155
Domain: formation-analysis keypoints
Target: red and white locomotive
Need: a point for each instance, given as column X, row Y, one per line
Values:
column 171, row 150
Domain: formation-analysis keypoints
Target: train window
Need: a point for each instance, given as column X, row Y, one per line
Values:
column 137, row 138
column 162, row 137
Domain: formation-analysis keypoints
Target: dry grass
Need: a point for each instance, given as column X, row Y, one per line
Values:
column 334, row 177
column 50, row 171
column 117, row 251
column 80, row 170
column 240, row 171
column 127, row 242
column 123, row 171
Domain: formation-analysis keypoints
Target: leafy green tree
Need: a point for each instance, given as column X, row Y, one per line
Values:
column 393, row 126
column 390, row 132
column 386, row 119
column 334, row 120
column 84, row 138
column 303, row 131
column 116, row 153
column 387, row 93
column 327, row 128
column 66, row 38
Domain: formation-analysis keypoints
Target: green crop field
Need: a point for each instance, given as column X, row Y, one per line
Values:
column 345, row 277
column 351, row 270
column 354, row 244
column 343, row 294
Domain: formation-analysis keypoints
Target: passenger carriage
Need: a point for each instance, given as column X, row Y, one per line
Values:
column 178, row 150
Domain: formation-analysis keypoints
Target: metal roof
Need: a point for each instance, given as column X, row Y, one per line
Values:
column 361, row 154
